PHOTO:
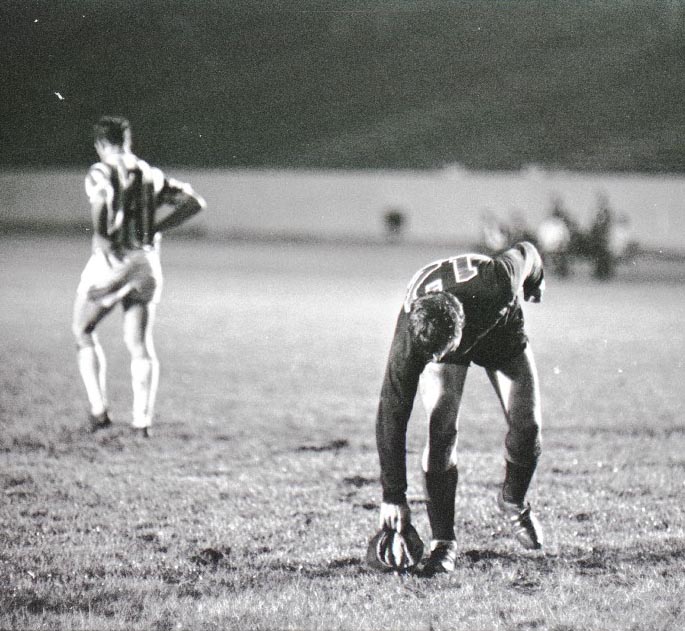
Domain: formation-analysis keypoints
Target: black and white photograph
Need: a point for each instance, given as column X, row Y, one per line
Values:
column 342, row 315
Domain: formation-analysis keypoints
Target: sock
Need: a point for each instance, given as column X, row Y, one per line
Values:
column 516, row 482
column 441, row 490
column 144, row 379
column 92, row 366
column 102, row 373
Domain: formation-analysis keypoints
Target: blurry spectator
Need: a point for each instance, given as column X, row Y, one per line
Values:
column 494, row 234
column 394, row 220
column 554, row 241
column 576, row 235
column 518, row 228
column 619, row 237
column 599, row 241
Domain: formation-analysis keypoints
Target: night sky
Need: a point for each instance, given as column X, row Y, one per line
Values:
column 348, row 84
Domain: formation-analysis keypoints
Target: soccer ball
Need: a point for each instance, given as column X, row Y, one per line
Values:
column 391, row 551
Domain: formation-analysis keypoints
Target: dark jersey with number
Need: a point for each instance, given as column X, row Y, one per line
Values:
column 493, row 332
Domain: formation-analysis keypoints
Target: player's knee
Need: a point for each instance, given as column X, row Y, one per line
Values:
column 533, row 441
column 525, row 418
column 528, row 433
column 138, row 351
column 440, row 454
column 524, row 444
column 135, row 344
column 82, row 335
column 439, row 465
column 529, row 424
column 142, row 351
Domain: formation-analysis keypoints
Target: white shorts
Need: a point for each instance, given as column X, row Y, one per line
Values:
column 136, row 277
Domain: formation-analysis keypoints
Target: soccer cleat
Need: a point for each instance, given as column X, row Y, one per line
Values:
column 99, row 421
column 143, row 432
column 524, row 524
column 443, row 558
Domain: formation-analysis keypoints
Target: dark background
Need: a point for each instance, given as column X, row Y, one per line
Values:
column 348, row 84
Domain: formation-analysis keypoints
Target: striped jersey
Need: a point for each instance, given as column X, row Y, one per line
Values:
column 125, row 193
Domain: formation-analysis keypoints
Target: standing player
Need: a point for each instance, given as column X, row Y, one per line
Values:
column 461, row 310
column 125, row 196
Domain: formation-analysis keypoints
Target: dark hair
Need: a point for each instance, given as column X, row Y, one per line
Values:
column 434, row 319
column 112, row 129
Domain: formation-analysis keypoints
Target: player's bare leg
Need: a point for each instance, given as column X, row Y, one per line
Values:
column 91, row 358
column 517, row 387
column 138, row 324
column 441, row 387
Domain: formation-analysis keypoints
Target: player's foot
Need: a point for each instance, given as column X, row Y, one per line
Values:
column 143, row 432
column 99, row 421
column 443, row 558
column 524, row 524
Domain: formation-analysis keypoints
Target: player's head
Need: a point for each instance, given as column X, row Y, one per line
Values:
column 436, row 321
column 112, row 131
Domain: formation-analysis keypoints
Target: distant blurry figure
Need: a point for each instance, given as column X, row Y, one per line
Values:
column 599, row 241
column 494, row 234
column 518, row 229
column 619, row 237
column 395, row 221
column 125, row 194
column 554, row 240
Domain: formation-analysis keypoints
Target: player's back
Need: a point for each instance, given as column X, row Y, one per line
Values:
column 470, row 277
column 128, row 186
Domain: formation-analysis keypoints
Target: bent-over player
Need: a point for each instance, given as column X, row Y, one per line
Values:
column 457, row 311
column 125, row 196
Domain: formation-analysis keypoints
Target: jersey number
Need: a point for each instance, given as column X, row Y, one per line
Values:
column 462, row 269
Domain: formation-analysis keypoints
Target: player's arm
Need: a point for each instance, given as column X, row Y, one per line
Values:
column 185, row 203
column 100, row 195
column 396, row 401
column 523, row 266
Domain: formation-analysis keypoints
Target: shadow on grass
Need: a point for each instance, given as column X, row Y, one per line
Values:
column 63, row 440
column 106, row 603
column 594, row 561
column 359, row 481
column 332, row 569
column 527, row 571
column 333, row 445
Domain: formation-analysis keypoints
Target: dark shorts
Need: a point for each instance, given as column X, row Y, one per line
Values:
column 505, row 341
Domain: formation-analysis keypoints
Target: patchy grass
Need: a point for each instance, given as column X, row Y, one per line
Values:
column 251, row 506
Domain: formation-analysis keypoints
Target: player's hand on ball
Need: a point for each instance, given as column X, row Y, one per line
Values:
column 394, row 516
column 391, row 551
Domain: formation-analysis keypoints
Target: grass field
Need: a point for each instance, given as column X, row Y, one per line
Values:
column 251, row 506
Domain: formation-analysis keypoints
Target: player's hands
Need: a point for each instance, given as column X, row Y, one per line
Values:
column 533, row 293
column 394, row 516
